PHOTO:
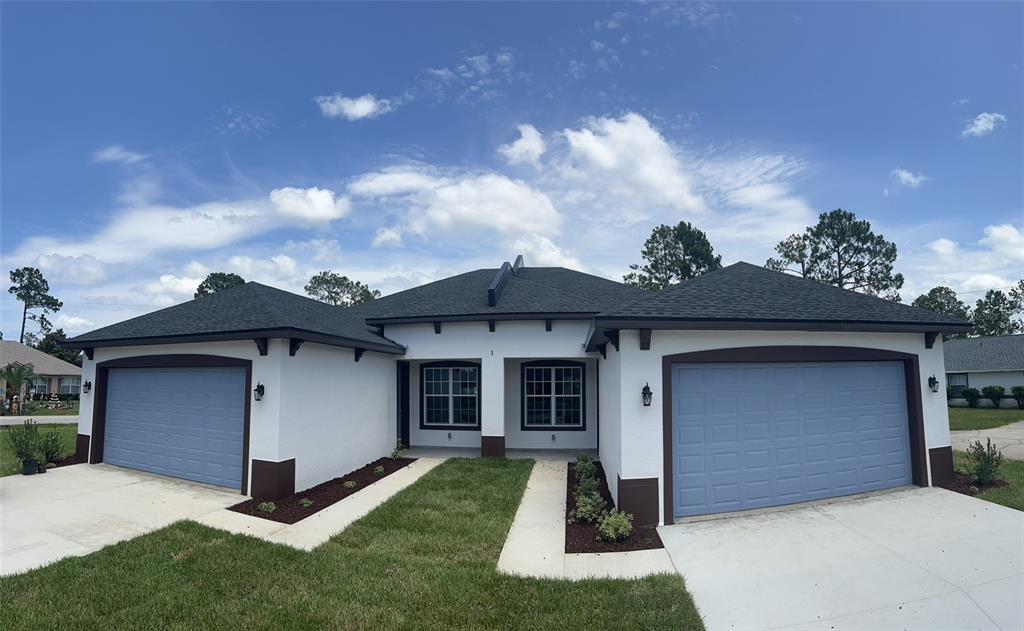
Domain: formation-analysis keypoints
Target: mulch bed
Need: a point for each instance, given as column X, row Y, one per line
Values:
column 964, row 484
column 290, row 511
column 586, row 538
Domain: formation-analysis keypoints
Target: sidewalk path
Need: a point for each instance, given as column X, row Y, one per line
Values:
column 1008, row 438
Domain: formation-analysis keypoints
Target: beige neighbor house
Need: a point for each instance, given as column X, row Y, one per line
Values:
column 52, row 374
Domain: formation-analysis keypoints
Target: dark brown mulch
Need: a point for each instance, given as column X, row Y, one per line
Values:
column 964, row 484
column 289, row 510
column 586, row 538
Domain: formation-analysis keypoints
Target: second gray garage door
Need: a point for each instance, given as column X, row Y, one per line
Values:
column 752, row 435
column 182, row 422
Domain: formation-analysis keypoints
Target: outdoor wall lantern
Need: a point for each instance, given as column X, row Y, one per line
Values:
column 647, row 395
column 257, row 392
column 933, row 383
column 86, row 387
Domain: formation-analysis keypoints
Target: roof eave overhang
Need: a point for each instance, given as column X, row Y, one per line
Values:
column 479, row 317
column 229, row 336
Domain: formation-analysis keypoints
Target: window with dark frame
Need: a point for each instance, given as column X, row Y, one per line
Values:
column 553, row 396
column 957, row 381
column 451, row 396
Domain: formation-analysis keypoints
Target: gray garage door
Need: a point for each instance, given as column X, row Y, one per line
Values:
column 761, row 434
column 183, row 422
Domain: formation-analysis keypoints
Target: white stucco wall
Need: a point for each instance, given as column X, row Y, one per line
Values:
column 435, row 437
column 641, row 433
column 516, row 438
column 610, row 443
column 1005, row 378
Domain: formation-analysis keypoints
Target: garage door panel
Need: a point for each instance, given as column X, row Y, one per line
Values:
column 181, row 422
column 755, row 435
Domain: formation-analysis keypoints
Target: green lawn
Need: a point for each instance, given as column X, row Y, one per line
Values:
column 9, row 465
column 38, row 409
column 982, row 418
column 1012, row 471
column 425, row 560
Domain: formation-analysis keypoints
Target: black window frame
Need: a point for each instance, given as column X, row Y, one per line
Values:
column 423, row 397
column 958, row 389
column 553, row 363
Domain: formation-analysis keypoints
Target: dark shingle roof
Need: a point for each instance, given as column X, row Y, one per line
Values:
column 745, row 292
column 1002, row 352
column 251, row 307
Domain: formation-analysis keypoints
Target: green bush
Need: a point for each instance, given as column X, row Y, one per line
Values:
column 305, row 502
column 379, row 469
column 267, row 507
column 949, row 393
column 586, row 486
column 1017, row 392
column 24, row 440
column 51, row 447
column 583, row 457
column 983, row 462
column 585, row 469
column 994, row 393
column 972, row 395
column 349, row 484
column 615, row 526
column 397, row 453
column 589, row 508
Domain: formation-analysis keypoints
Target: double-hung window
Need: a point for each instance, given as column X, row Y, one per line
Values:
column 957, row 382
column 70, row 385
column 41, row 385
column 451, row 396
column 553, row 395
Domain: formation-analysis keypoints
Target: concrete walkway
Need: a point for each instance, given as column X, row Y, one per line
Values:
column 535, row 545
column 1008, row 438
column 7, row 421
column 316, row 529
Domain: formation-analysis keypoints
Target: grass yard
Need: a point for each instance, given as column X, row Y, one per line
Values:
column 38, row 409
column 982, row 418
column 1012, row 471
column 9, row 465
column 424, row 560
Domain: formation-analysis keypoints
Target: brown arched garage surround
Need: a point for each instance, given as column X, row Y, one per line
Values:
column 781, row 354
column 99, row 410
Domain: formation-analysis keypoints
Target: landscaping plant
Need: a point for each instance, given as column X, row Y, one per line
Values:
column 24, row 441
column 379, row 469
column 616, row 525
column 586, row 486
column 983, row 462
column 1017, row 392
column 583, row 457
column 51, row 447
column 267, row 507
column 349, row 484
column 585, row 469
column 994, row 393
column 589, row 508
column 972, row 395
column 305, row 502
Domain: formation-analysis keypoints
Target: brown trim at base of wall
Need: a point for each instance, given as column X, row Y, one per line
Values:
column 639, row 496
column 941, row 461
column 492, row 446
column 273, row 480
column 82, row 448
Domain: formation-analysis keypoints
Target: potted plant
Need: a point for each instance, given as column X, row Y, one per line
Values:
column 25, row 445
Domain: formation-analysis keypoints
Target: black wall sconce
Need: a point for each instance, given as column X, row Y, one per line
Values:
column 647, row 395
column 257, row 392
column 933, row 383
column 86, row 387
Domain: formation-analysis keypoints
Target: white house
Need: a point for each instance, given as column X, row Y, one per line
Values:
column 739, row 389
column 977, row 362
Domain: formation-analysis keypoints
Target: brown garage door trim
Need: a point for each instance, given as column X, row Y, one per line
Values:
column 99, row 408
column 911, row 373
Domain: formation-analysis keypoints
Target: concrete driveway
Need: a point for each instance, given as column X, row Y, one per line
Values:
column 922, row 558
column 75, row 510
column 1008, row 438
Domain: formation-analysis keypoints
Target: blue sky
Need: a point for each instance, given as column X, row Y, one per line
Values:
column 144, row 145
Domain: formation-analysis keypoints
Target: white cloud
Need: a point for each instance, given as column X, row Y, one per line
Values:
column 397, row 181
column 971, row 268
column 310, row 205
column 945, row 248
column 77, row 270
column 118, row 154
column 527, row 149
column 908, row 178
column 541, row 251
column 976, row 282
column 476, row 78
column 353, row 109
column 170, row 289
column 983, row 124
column 1006, row 240
column 72, row 324
column 387, row 237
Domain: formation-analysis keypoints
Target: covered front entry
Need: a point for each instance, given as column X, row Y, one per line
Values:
column 756, row 434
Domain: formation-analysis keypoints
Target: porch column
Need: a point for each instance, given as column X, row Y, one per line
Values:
column 492, row 407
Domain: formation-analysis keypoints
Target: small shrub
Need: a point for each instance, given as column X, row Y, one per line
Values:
column 983, row 462
column 379, row 469
column 589, row 509
column 305, row 502
column 615, row 526
column 586, row 486
column 585, row 469
column 994, row 393
column 24, row 440
column 267, row 507
column 397, row 453
column 1017, row 392
column 972, row 395
column 949, row 393
column 349, row 484
column 583, row 457
column 51, row 447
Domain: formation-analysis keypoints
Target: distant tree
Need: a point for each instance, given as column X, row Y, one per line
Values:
column 338, row 290
column 53, row 344
column 995, row 314
column 218, row 281
column 34, row 293
column 673, row 254
column 17, row 377
column 945, row 301
column 843, row 251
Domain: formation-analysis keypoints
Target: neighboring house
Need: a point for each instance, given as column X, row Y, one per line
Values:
column 976, row 362
column 52, row 374
column 761, row 388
